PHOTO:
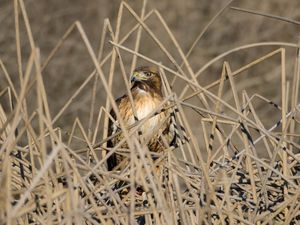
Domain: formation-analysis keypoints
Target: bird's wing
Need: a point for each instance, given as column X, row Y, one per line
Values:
column 112, row 129
column 176, row 130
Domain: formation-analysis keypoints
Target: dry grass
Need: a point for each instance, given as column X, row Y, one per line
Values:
column 236, row 167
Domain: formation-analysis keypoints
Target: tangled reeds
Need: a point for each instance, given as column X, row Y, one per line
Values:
column 236, row 170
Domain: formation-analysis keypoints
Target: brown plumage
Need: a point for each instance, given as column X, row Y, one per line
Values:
column 146, row 91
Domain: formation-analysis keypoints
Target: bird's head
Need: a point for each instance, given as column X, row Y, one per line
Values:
column 148, row 75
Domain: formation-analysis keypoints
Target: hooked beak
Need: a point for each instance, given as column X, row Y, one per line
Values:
column 135, row 77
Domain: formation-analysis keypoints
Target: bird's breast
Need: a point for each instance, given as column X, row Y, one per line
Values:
column 144, row 104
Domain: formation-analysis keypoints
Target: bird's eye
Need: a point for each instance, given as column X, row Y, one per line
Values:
column 148, row 74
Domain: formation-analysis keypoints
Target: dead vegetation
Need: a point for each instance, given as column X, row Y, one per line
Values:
column 241, row 164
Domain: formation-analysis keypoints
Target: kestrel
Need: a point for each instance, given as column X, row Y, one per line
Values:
column 146, row 91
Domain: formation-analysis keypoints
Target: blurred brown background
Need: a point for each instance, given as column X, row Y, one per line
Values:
column 186, row 19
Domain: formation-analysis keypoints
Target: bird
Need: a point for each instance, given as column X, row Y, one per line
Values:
column 146, row 91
